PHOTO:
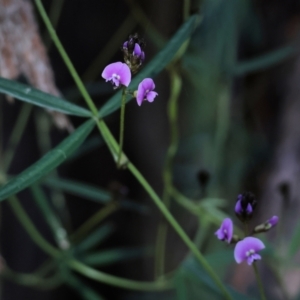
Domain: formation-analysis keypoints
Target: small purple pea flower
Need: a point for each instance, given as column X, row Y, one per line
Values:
column 145, row 91
column 118, row 73
column 225, row 232
column 247, row 249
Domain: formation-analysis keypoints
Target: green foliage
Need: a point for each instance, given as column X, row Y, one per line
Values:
column 205, row 60
column 29, row 94
column 48, row 162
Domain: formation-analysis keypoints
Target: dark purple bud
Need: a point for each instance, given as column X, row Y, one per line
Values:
column 245, row 206
column 133, row 51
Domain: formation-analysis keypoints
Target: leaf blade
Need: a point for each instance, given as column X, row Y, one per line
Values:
column 48, row 162
column 36, row 97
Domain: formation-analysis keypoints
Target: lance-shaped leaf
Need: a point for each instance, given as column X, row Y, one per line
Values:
column 28, row 94
column 48, row 162
column 91, row 192
column 156, row 65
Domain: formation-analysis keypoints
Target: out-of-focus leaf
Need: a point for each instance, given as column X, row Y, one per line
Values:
column 28, row 94
column 264, row 61
column 161, row 60
column 294, row 244
column 107, row 257
column 166, row 295
column 50, row 216
column 48, row 162
column 79, row 189
column 194, row 274
column 90, row 192
column 96, row 237
column 93, row 88
column 84, row 291
column 89, row 145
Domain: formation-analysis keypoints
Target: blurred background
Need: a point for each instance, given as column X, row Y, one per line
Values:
column 236, row 89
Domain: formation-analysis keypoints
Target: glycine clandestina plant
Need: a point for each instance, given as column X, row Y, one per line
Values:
column 119, row 74
column 247, row 248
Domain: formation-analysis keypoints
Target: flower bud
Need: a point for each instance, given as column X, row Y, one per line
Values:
column 266, row 226
column 133, row 52
column 245, row 206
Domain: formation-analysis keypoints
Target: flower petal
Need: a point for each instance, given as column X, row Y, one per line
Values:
column 226, row 231
column 148, row 84
column 246, row 245
column 140, row 94
column 137, row 50
column 125, row 75
column 151, row 96
column 111, row 69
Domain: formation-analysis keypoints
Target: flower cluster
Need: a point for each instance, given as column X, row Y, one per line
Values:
column 119, row 73
column 246, row 249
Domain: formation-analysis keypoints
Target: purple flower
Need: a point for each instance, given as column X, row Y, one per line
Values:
column 118, row 73
column 225, row 232
column 247, row 250
column 145, row 91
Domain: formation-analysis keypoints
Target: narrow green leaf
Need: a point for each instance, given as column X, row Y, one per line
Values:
column 90, row 192
column 161, row 60
column 107, row 257
column 83, row 290
column 29, row 94
column 196, row 273
column 50, row 216
column 76, row 188
column 48, row 162
column 95, row 238
column 264, row 61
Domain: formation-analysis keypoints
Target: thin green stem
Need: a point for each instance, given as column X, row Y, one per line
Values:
column 122, row 127
column 31, row 229
column 114, row 147
column 93, row 221
column 259, row 282
column 117, row 281
column 160, row 246
column 54, row 15
column 222, row 128
column 32, row 280
column 179, row 230
column 186, row 9
column 66, row 58
column 78, row 266
column 16, row 135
